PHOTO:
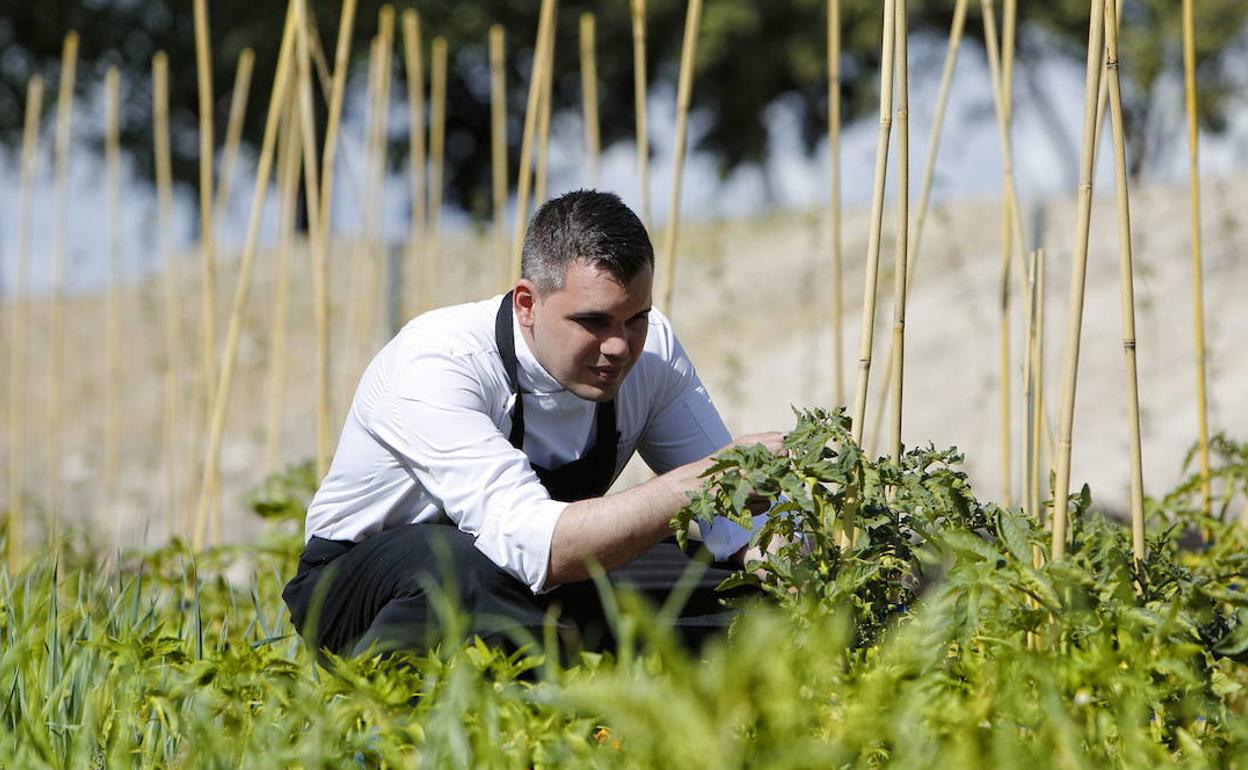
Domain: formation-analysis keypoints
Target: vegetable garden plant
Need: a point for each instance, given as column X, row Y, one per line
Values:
column 941, row 635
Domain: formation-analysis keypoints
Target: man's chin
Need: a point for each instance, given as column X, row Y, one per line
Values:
column 598, row 393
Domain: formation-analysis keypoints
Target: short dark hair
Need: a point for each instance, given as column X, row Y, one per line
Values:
column 588, row 225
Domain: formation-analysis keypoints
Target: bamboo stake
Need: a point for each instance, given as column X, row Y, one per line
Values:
column 234, row 127
column 877, row 223
column 498, row 139
column 684, row 91
column 414, row 68
column 638, row 14
column 17, row 351
column 208, row 324
column 589, row 96
column 544, row 32
column 543, row 124
column 220, row 402
column 834, row 198
column 1037, row 424
column 920, row 218
column 903, row 224
column 1012, row 240
column 1125, row 281
column 437, row 140
column 320, row 236
column 288, row 195
column 1198, row 281
column 362, row 262
column 173, row 300
column 846, row 535
column 1030, row 504
column 381, row 146
column 1078, row 279
column 112, row 387
column 56, row 330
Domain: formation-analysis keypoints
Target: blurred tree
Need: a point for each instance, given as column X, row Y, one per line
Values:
column 750, row 53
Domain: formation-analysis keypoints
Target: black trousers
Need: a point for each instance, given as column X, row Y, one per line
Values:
column 414, row 586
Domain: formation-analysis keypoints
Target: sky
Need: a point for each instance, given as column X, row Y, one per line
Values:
column 968, row 166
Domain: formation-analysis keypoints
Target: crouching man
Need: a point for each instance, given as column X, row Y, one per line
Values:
column 480, row 444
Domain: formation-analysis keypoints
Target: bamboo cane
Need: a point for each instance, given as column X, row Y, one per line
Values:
column 171, row 280
column 437, row 141
column 1198, row 291
column 288, row 195
column 544, row 31
column 1012, row 240
column 234, row 127
column 323, row 75
column 1030, row 504
column 208, row 324
column 846, row 536
column 17, row 350
column 834, row 199
column 320, row 236
column 414, row 67
column 112, row 380
column 1125, row 281
column 498, row 140
column 920, row 217
column 1078, row 279
column 638, row 13
column 903, row 225
column 543, row 124
column 381, row 142
column 1040, row 430
column 876, row 223
column 56, row 330
column 589, row 97
column 684, row 91
column 221, row 398
column 361, row 252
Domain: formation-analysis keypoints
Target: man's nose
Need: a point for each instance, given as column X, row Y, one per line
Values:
column 614, row 345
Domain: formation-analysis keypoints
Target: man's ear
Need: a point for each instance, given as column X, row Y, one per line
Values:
column 524, row 299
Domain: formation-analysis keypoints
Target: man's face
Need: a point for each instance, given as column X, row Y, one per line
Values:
column 588, row 334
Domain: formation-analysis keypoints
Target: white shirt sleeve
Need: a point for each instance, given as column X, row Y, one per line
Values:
column 434, row 418
column 685, row 426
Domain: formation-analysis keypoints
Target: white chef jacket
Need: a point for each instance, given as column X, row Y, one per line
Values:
column 426, row 440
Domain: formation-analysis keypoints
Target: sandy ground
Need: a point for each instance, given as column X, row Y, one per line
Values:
column 753, row 309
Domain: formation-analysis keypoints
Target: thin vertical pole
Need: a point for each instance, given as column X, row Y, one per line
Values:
column 288, row 195
column 638, row 13
column 1078, row 279
column 17, row 351
column 112, row 380
column 684, row 91
column 234, row 127
column 1198, row 281
column 876, row 224
column 543, row 124
column 320, row 237
column 172, row 287
column 834, row 199
column 412, row 57
column 589, row 97
column 203, row 63
column 437, row 141
column 1126, row 281
column 903, row 225
column 56, row 328
column 544, row 32
column 498, row 138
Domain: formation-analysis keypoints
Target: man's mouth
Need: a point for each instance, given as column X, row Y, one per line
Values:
column 605, row 373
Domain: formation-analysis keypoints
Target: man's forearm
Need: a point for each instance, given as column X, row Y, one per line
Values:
column 616, row 529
